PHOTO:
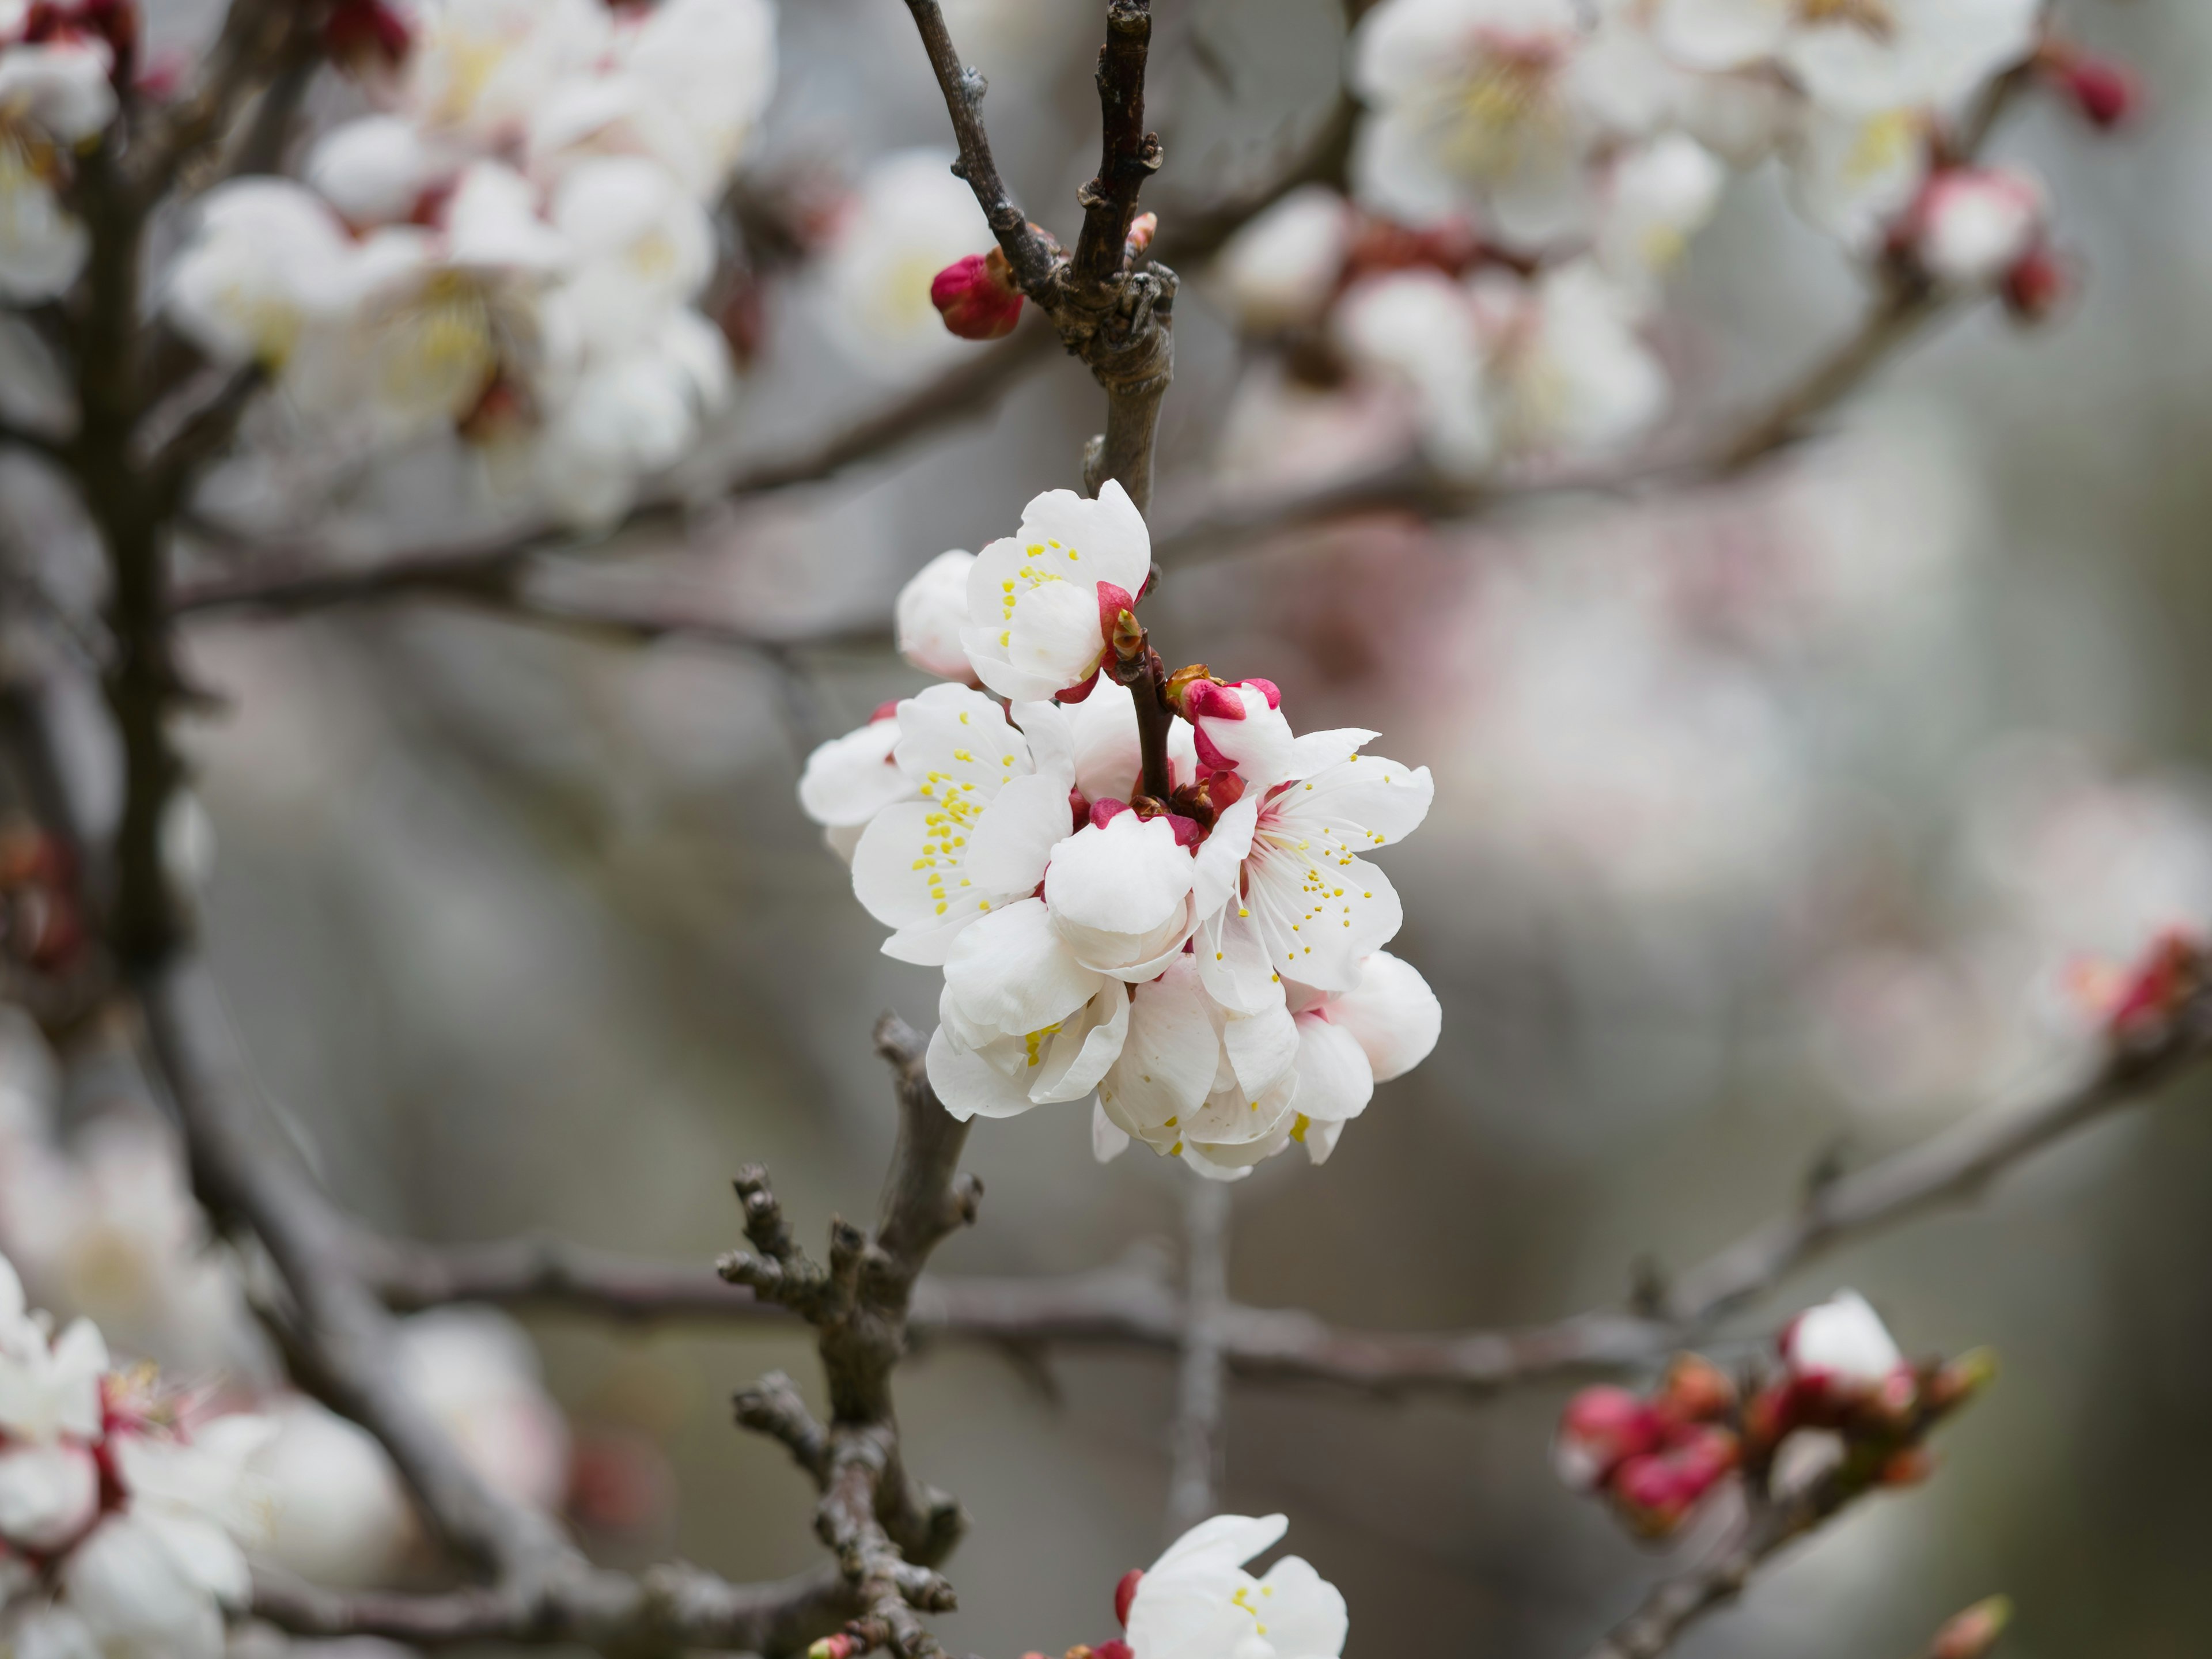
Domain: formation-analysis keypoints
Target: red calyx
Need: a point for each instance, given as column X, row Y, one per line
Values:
column 1103, row 812
column 887, row 709
column 1204, row 698
column 2105, row 91
column 1124, row 1593
column 360, row 32
column 1078, row 693
column 976, row 296
column 1114, row 603
column 2035, row 286
column 1115, row 1649
column 1267, row 688
column 2159, row 982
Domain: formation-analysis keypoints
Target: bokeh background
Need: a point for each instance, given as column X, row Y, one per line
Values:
column 1774, row 823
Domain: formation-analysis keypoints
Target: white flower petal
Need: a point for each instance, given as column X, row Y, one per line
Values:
column 1011, row 973
column 1391, row 1013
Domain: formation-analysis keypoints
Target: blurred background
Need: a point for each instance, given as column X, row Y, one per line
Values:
column 1776, row 822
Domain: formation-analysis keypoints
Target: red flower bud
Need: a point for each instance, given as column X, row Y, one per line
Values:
column 1908, row 1467
column 1115, row 1649
column 976, row 296
column 1205, row 698
column 2161, row 982
column 1655, row 1493
column 1599, row 1429
column 1696, row 1390
column 1126, row 1592
column 2035, row 286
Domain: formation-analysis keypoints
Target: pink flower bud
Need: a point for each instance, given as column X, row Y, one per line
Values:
column 976, row 296
column 1973, row 1632
column 2106, row 92
column 1204, row 698
column 839, row 1646
column 1126, row 1592
column 1599, row 1429
column 1656, row 1493
column 1142, row 229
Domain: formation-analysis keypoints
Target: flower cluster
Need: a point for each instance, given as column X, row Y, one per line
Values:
column 1844, row 1403
column 510, row 250
column 1141, row 886
column 1197, row 1601
column 1527, row 170
column 57, row 68
column 121, row 1517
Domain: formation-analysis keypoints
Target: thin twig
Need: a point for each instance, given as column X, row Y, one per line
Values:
column 1127, row 1308
column 1195, row 1444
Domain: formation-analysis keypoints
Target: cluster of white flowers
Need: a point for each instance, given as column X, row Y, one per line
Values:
column 55, row 94
column 121, row 1518
column 509, row 251
column 1527, row 169
column 1207, row 961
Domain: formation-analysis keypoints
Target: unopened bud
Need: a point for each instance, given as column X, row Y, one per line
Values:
column 1972, row 225
column 1182, row 680
column 1600, row 1429
column 2165, row 977
column 2105, row 91
column 1142, row 229
column 839, row 1646
column 1114, row 1648
column 1973, row 1632
column 1655, row 1493
column 2036, row 286
column 1126, row 1591
column 976, row 296
column 1696, row 1390
column 1953, row 1384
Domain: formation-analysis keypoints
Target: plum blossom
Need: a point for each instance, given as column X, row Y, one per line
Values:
column 1282, row 269
column 1858, row 56
column 1197, row 1601
column 1974, row 224
column 1657, row 197
column 848, row 780
column 1842, row 1343
column 908, row 220
column 1478, row 108
column 1036, row 599
column 932, row 609
column 54, row 94
column 135, row 1514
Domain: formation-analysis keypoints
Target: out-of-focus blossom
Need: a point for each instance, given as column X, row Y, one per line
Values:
column 1861, row 56
column 477, row 1372
column 54, row 94
column 1282, row 269
column 337, row 1515
column 1416, row 328
column 1972, row 225
column 1197, row 1601
column 1478, row 108
column 267, row 262
column 1036, row 599
column 1842, row 1346
column 930, row 611
column 1657, row 196
column 907, row 220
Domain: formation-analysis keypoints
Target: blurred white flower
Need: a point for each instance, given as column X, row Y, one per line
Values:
column 1415, row 329
column 1860, row 55
column 1973, row 224
column 1843, row 1341
column 337, row 1515
column 375, row 170
column 479, row 71
column 476, row 1371
column 930, row 611
column 54, row 95
column 1282, row 269
column 1657, row 197
column 909, row 219
column 1851, row 174
column 1197, row 1601
column 267, row 260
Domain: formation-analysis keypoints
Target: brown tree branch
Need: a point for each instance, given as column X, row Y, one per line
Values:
column 1128, row 1308
column 886, row 1530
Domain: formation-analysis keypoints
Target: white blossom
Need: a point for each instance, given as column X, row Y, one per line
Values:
column 337, row 1515
column 1035, row 598
column 932, row 609
column 267, row 261
column 908, row 220
column 1657, row 196
column 1569, row 374
column 1851, row 174
column 1197, row 1601
column 1416, row 328
column 849, row 780
column 1350, row 1040
column 1862, row 56
column 54, row 95
column 1974, row 224
column 477, row 1372
column 1843, row 1341
column 1282, row 269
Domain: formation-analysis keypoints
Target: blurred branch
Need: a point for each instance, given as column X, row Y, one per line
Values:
column 1769, row 1525
column 1127, row 1307
column 15, row 435
column 259, row 38
column 1194, row 1444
